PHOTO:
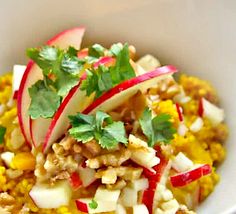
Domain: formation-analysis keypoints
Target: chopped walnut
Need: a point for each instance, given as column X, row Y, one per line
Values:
column 112, row 159
column 109, row 175
column 184, row 210
column 12, row 174
column 67, row 142
column 77, row 148
column 120, row 184
column 6, row 199
column 93, row 147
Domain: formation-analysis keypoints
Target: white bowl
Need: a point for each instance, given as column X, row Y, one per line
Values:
column 196, row 36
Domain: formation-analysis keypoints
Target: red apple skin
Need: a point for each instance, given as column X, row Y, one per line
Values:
column 75, row 181
column 128, row 84
column 185, row 178
column 154, row 179
column 19, row 100
column 106, row 60
column 81, row 206
column 57, row 40
column 200, row 108
column 179, row 112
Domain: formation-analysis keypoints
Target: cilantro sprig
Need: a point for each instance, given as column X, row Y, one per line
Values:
column 104, row 78
column 61, row 69
column 158, row 129
column 2, row 133
column 100, row 127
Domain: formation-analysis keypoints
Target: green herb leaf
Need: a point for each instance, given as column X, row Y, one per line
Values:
column 61, row 69
column 158, row 129
column 100, row 127
column 2, row 134
column 44, row 101
column 96, row 51
column 93, row 204
column 98, row 81
column 104, row 78
column 122, row 69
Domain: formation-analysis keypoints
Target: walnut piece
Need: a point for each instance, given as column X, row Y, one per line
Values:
column 111, row 159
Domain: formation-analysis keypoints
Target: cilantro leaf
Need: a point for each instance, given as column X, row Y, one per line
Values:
column 65, row 82
column 46, row 58
column 100, row 127
column 2, row 134
column 158, row 129
column 61, row 70
column 44, row 101
column 96, row 51
column 93, row 204
column 122, row 69
column 98, row 81
column 104, row 78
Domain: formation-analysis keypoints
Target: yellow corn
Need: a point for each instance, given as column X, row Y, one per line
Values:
column 24, row 161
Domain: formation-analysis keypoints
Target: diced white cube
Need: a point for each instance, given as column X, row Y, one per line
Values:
column 140, row 184
column 140, row 209
column 103, row 194
column 148, row 62
column 120, row 209
column 170, row 205
column 50, row 197
column 181, row 163
column 197, row 125
column 7, row 157
column 129, row 197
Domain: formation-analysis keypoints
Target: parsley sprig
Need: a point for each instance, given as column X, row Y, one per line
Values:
column 158, row 129
column 100, row 127
column 61, row 69
column 104, row 78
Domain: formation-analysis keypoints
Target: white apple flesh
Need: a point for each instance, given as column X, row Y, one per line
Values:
column 140, row 209
column 33, row 73
column 107, row 195
column 18, row 72
column 87, row 176
column 50, row 197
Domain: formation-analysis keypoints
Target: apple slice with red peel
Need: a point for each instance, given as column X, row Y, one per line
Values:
column 18, row 72
column 106, row 60
column 189, row 176
column 75, row 101
column 210, row 111
column 87, row 176
column 75, row 181
column 33, row 73
column 123, row 91
column 179, row 111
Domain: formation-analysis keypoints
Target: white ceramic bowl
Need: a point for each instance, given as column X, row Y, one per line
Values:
column 198, row 36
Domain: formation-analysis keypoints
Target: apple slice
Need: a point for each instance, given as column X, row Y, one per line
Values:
column 140, row 209
column 210, row 111
column 50, row 197
column 102, row 206
column 179, row 111
column 18, row 72
column 75, row 181
column 103, row 194
column 181, row 163
column 189, row 176
column 33, row 73
column 106, row 60
column 117, row 95
column 87, row 176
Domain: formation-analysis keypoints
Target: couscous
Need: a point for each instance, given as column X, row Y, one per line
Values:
column 94, row 130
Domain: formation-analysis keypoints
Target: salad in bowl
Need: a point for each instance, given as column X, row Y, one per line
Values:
column 98, row 130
